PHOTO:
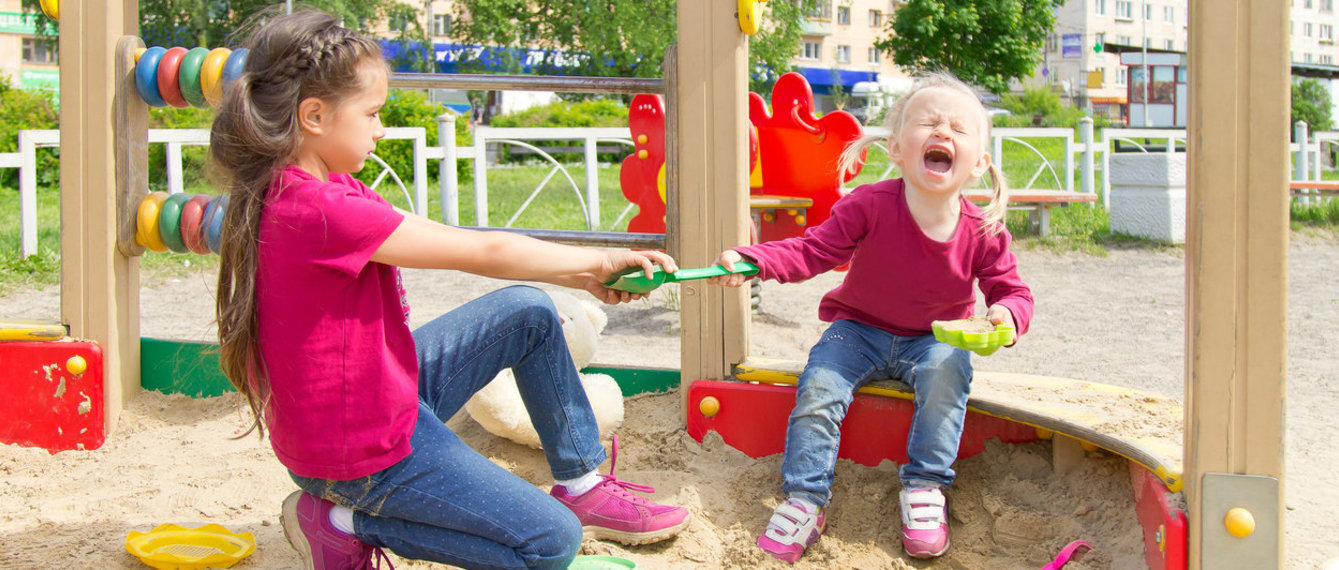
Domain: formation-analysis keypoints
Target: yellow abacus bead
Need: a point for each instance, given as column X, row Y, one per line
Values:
column 211, row 75
column 146, row 226
column 1239, row 522
column 709, row 406
column 76, row 365
column 51, row 8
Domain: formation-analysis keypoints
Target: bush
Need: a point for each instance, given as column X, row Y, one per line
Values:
column 1039, row 106
column 28, row 109
column 411, row 108
column 193, row 158
column 571, row 114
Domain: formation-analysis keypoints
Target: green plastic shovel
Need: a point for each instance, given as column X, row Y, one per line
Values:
column 636, row 281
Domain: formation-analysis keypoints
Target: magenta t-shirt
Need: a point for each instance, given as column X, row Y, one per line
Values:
column 333, row 327
column 900, row 280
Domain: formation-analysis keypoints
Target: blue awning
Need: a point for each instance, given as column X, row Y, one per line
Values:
column 823, row 78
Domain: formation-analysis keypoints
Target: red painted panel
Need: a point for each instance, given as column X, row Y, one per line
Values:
column 47, row 405
column 1165, row 534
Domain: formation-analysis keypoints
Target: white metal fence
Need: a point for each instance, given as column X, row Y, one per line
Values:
column 1053, row 172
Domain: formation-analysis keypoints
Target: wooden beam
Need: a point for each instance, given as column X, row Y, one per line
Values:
column 1236, row 251
column 99, row 284
column 710, row 113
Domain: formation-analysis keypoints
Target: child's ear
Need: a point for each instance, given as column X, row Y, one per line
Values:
column 310, row 112
column 982, row 165
column 895, row 150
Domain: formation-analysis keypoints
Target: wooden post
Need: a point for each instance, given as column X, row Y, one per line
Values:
column 1236, row 271
column 710, row 115
column 99, row 285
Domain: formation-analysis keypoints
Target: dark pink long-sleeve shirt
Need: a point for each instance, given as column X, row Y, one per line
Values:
column 900, row 280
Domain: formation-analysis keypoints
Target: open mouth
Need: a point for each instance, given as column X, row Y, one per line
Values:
column 938, row 160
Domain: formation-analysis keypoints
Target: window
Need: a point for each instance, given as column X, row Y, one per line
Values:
column 843, row 54
column 1148, row 12
column 1326, row 5
column 1148, row 43
column 1100, row 7
column 1121, row 73
column 844, row 15
column 1306, row 29
column 1308, row 3
column 811, row 50
column 1169, row 14
column 1052, row 43
column 1124, row 40
column 1327, row 33
column 823, row 11
column 1171, row 45
column 875, row 56
column 1125, row 9
column 37, row 50
column 875, row 18
column 441, row 24
column 1306, row 58
column 1327, row 59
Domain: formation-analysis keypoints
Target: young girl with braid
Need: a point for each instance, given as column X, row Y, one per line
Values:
column 314, row 332
column 917, row 247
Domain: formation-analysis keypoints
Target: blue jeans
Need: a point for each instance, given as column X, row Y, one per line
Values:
column 849, row 355
column 447, row 503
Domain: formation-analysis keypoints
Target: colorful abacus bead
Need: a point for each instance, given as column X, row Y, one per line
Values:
column 192, row 224
column 146, row 222
column 211, row 75
column 189, row 77
column 233, row 67
column 146, row 76
column 169, row 222
column 213, row 222
column 169, row 82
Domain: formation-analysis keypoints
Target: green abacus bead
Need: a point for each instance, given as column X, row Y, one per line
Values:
column 189, row 77
column 169, row 222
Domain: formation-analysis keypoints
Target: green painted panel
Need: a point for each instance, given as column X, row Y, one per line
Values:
column 635, row 381
column 180, row 367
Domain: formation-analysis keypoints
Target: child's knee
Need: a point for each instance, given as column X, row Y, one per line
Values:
column 556, row 548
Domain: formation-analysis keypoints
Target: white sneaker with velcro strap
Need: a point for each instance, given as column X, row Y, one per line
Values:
column 924, row 522
column 795, row 525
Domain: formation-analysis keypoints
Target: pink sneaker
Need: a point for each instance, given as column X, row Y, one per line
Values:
column 306, row 520
column 792, row 529
column 924, row 522
column 611, row 512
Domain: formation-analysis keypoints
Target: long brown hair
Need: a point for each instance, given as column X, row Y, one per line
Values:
column 255, row 134
column 994, row 212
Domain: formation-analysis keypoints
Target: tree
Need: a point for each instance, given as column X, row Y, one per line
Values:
column 608, row 38
column 1311, row 103
column 986, row 42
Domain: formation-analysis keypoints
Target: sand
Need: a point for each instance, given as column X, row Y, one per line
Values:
column 1117, row 319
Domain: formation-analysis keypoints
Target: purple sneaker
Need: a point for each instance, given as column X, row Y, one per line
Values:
column 610, row 511
column 792, row 528
column 924, row 522
column 306, row 520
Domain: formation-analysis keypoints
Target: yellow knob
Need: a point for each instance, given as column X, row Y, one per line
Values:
column 641, row 139
column 709, row 406
column 799, row 220
column 76, row 365
column 642, row 154
column 1239, row 522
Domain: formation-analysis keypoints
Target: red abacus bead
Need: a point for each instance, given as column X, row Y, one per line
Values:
column 192, row 216
column 169, row 69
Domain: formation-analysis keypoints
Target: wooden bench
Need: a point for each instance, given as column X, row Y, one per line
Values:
column 1039, row 202
column 1300, row 187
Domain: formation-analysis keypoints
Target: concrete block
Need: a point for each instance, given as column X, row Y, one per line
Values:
column 1148, row 195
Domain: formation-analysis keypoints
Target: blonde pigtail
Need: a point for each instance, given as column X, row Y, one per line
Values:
column 851, row 157
column 993, row 222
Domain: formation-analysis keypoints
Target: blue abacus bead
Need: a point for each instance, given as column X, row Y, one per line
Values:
column 146, row 76
column 213, row 222
column 233, row 67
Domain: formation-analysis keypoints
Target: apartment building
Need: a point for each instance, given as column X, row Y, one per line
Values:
column 28, row 60
column 1102, row 50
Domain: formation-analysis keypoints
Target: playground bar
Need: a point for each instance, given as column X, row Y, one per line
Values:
column 579, row 84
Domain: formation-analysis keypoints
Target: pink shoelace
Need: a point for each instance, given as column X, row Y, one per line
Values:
column 623, row 486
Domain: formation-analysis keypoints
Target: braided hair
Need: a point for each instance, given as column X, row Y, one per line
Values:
column 255, row 135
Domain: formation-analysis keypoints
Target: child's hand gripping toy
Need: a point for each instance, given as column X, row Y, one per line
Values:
column 636, row 280
column 976, row 334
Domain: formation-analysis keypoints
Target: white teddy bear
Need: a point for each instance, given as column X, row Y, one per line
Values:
column 498, row 406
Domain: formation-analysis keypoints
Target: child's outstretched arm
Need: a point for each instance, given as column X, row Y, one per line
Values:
column 727, row 259
column 422, row 243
